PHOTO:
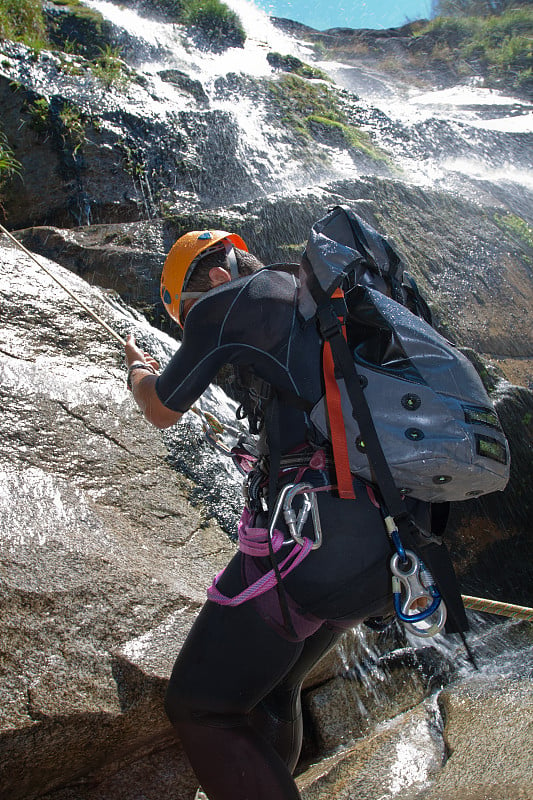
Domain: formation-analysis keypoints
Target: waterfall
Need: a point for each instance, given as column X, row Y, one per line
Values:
column 448, row 138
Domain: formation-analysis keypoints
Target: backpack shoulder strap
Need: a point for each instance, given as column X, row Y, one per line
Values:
column 331, row 329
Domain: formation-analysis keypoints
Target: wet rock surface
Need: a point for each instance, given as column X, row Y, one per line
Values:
column 497, row 754
column 99, row 543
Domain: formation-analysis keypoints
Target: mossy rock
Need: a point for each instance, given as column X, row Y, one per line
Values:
column 184, row 82
column 72, row 26
column 328, row 131
column 213, row 24
column 290, row 63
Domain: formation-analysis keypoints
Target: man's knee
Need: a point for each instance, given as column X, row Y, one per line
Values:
column 182, row 710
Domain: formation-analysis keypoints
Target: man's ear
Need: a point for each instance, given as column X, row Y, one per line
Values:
column 218, row 276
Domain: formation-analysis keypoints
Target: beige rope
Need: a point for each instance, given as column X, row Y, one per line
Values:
column 494, row 607
column 65, row 287
column 210, row 422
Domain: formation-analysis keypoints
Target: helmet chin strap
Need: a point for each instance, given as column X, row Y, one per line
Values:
column 232, row 259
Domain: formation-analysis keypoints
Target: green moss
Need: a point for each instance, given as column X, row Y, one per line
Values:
column 76, row 8
column 300, row 99
column 39, row 112
column 23, row 21
column 289, row 63
column 517, row 227
column 312, row 111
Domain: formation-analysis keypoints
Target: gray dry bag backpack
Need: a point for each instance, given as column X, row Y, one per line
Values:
column 413, row 409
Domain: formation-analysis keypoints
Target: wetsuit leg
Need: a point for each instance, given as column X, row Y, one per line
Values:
column 279, row 715
column 230, row 661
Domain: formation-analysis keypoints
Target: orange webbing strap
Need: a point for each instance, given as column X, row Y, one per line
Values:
column 336, row 421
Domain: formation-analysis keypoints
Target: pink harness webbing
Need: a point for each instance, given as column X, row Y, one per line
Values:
column 254, row 542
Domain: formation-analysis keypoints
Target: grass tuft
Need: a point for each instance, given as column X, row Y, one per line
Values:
column 501, row 45
column 9, row 165
column 23, row 21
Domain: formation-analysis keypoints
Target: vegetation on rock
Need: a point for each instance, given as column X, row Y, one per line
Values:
column 74, row 28
column 475, row 8
column 312, row 110
column 499, row 46
column 109, row 68
column 9, row 166
column 492, row 39
column 70, row 26
column 219, row 25
column 288, row 63
column 516, row 227
column 23, row 21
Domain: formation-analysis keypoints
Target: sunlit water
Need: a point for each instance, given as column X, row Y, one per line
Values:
column 470, row 113
column 167, row 44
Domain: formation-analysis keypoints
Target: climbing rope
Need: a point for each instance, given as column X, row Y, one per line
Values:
column 494, row 607
column 210, row 423
column 65, row 287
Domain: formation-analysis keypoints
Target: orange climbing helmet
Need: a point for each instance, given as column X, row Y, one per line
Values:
column 183, row 258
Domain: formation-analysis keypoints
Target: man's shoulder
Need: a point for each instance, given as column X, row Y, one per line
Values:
column 270, row 277
column 246, row 298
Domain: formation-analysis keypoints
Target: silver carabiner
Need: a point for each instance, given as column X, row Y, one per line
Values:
column 429, row 620
column 295, row 522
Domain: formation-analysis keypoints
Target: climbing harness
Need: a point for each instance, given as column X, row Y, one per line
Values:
column 417, row 583
column 263, row 542
column 259, row 542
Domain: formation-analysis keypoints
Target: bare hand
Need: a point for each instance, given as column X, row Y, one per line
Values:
column 134, row 353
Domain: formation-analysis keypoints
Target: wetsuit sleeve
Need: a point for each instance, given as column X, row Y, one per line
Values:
column 195, row 364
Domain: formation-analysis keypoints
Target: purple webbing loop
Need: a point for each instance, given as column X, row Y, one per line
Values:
column 254, row 542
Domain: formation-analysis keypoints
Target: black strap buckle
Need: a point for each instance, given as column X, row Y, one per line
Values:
column 329, row 323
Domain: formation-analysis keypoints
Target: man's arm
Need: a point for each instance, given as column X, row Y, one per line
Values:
column 142, row 384
column 144, row 394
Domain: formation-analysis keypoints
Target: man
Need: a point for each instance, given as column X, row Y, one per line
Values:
column 234, row 694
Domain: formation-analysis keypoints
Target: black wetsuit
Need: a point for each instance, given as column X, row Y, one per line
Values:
column 234, row 694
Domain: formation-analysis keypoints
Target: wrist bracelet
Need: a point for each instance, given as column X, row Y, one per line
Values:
column 138, row 365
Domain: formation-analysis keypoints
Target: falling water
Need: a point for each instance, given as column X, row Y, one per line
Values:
column 450, row 138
